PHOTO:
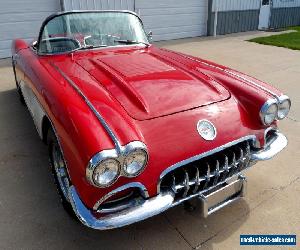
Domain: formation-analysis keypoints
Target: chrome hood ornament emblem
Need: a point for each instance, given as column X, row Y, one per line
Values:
column 206, row 130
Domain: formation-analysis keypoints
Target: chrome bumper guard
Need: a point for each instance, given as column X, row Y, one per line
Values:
column 211, row 201
column 272, row 148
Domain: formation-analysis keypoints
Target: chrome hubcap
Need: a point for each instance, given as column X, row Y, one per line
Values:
column 60, row 171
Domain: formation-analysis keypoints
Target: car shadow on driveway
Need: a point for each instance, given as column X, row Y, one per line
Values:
column 31, row 216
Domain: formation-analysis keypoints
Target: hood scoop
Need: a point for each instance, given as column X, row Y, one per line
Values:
column 149, row 87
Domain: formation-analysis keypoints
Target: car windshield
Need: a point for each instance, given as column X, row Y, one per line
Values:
column 87, row 30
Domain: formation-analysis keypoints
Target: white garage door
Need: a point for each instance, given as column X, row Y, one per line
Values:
column 173, row 19
column 99, row 4
column 22, row 19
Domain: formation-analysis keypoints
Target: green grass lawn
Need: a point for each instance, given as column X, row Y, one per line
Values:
column 288, row 40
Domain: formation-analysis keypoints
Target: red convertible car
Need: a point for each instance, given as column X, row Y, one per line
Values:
column 132, row 129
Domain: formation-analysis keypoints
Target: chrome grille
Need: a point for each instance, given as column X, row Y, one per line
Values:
column 208, row 172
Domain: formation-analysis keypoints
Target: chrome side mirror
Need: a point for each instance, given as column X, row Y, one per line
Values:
column 34, row 45
column 150, row 36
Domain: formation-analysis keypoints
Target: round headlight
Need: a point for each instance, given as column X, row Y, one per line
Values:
column 283, row 109
column 135, row 162
column 268, row 112
column 106, row 172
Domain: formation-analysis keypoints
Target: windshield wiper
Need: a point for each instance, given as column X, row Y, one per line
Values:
column 94, row 46
column 88, row 47
column 131, row 42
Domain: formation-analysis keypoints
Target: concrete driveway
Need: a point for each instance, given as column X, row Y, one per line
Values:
column 31, row 216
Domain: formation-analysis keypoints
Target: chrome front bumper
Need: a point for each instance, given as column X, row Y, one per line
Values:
column 211, row 200
column 272, row 148
column 149, row 208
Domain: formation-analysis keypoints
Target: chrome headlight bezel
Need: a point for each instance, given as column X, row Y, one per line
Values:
column 283, row 99
column 120, row 157
column 96, row 161
column 100, row 166
column 264, row 111
column 130, row 152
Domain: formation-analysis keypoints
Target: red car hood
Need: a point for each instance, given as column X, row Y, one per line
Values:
column 149, row 85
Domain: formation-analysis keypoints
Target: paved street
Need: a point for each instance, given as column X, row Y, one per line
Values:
column 31, row 216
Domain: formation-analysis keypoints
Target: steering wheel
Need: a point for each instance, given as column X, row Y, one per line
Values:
column 100, row 39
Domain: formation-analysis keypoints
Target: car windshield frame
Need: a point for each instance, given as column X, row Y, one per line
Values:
column 51, row 17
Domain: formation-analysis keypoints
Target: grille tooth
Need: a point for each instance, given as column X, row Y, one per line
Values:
column 208, row 172
column 207, row 176
column 216, row 173
column 225, row 168
column 231, row 166
column 233, row 159
column 226, row 164
column 241, row 159
column 186, row 183
column 173, row 187
column 246, row 158
column 248, row 150
column 241, row 154
column 235, row 163
column 197, row 181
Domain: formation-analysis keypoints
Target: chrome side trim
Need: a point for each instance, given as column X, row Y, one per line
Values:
column 252, row 82
column 119, row 152
column 147, row 209
column 207, row 153
column 278, row 143
column 92, row 108
column 235, row 75
column 138, row 185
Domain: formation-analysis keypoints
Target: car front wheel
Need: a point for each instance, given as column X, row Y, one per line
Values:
column 59, row 171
